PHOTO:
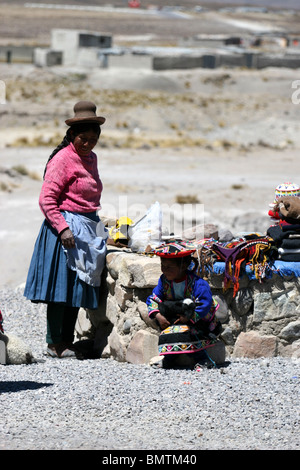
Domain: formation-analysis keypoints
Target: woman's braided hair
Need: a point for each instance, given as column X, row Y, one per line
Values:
column 72, row 132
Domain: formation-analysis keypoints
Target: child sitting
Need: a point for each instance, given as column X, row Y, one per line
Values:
column 184, row 308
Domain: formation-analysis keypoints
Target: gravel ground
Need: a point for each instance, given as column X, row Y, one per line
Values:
column 104, row 405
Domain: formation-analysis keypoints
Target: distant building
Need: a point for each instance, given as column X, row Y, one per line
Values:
column 80, row 47
column 71, row 47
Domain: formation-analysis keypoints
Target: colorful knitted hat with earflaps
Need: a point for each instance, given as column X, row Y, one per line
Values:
column 173, row 250
column 286, row 189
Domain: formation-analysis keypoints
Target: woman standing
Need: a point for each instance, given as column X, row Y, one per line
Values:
column 69, row 253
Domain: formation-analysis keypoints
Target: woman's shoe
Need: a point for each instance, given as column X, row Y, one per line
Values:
column 60, row 350
column 51, row 351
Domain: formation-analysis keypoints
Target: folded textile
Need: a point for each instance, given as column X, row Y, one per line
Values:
column 288, row 250
column 292, row 243
column 292, row 227
column 289, row 257
column 282, row 231
column 280, row 267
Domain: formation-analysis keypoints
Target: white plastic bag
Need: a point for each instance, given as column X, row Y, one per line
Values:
column 147, row 231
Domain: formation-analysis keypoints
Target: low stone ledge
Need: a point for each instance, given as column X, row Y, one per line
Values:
column 133, row 270
column 142, row 347
column 261, row 320
column 253, row 345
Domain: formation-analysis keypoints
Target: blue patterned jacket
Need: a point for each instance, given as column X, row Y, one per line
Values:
column 195, row 288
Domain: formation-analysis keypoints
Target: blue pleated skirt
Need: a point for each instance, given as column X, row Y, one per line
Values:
column 50, row 280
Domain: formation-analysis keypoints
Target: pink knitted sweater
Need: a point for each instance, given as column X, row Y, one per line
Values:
column 71, row 183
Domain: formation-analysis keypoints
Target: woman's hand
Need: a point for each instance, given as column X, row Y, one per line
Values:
column 67, row 238
column 163, row 322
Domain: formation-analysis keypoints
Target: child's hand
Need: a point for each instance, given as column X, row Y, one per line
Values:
column 182, row 319
column 163, row 322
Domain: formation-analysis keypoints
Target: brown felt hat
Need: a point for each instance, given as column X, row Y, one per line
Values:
column 85, row 111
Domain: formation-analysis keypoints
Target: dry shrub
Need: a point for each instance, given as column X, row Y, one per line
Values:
column 22, row 170
column 39, row 140
column 237, row 186
column 187, row 199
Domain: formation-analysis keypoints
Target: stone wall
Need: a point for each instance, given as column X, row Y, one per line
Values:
column 262, row 320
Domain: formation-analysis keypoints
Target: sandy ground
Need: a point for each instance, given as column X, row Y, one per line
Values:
column 222, row 138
